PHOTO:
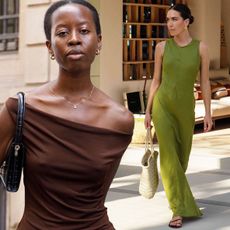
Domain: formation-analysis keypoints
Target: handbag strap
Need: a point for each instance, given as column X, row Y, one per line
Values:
column 20, row 117
column 149, row 140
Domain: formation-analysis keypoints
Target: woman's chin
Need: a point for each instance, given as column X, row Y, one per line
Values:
column 172, row 34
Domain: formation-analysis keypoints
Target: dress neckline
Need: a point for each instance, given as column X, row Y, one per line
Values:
column 73, row 123
column 184, row 45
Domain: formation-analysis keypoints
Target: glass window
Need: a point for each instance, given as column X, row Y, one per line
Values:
column 9, row 23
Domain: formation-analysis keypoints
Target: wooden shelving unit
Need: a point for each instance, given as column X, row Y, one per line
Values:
column 143, row 27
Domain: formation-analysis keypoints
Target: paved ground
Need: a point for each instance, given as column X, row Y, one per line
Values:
column 208, row 175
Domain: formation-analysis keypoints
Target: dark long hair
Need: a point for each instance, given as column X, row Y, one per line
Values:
column 184, row 11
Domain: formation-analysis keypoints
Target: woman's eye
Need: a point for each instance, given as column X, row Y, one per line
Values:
column 62, row 33
column 84, row 31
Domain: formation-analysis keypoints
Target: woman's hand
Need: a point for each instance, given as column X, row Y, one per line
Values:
column 147, row 120
column 208, row 123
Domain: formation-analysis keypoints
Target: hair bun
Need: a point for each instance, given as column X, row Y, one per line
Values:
column 191, row 19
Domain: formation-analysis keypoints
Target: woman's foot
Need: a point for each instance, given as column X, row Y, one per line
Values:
column 176, row 222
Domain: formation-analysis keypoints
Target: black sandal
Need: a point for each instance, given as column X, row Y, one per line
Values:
column 177, row 219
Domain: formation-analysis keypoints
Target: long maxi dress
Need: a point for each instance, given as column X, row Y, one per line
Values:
column 173, row 117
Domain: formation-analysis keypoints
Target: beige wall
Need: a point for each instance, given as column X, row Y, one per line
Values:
column 11, row 74
column 206, row 26
column 208, row 16
column 225, row 10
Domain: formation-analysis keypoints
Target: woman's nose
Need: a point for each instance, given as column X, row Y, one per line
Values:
column 169, row 23
column 75, row 39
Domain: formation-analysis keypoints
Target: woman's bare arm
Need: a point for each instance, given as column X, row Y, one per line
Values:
column 7, row 129
column 205, row 85
column 155, row 82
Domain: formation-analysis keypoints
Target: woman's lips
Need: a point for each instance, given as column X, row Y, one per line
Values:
column 75, row 55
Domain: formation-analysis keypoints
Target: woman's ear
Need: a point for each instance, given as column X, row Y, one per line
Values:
column 99, row 40
column 48, row 45
column 186, row 22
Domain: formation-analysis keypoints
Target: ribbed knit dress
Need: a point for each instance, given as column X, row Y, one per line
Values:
column 173, row 117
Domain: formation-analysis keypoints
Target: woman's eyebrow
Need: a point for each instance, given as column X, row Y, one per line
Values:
column 172, row 17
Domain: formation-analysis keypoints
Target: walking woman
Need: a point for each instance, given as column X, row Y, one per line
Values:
column 74, row 133
column 171, row 107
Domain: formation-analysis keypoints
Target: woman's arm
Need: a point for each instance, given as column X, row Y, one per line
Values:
column 7, row 129
column 205, row 86
column 155, row 82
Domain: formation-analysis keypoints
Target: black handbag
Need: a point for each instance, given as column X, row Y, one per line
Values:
column 11, row 169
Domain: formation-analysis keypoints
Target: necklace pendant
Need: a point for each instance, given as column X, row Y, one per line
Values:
column 75, row 106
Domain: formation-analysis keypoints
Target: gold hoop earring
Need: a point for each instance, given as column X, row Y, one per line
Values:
column 97, row 51
column 52, row 57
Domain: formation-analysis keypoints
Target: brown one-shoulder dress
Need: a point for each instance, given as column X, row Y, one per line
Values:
column 68, row 170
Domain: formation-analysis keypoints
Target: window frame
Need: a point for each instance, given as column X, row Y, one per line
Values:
column 9, row 37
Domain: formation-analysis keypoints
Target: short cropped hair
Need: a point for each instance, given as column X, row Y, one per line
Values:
column 56, row 5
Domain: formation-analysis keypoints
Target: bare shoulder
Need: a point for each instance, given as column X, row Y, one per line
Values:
column 34, row 92
column 123, row 119
column 203, row 45
column 203, row 48
column 160, row 47
column 161, row 44
column 39, row 91
column 117, row 116
column 124, row 116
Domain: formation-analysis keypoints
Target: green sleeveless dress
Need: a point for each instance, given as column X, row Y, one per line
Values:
column 173, row 116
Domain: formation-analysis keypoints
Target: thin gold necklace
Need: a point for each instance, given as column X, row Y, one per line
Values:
column 75, row 106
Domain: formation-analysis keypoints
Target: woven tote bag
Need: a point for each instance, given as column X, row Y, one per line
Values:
column 149, row 178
